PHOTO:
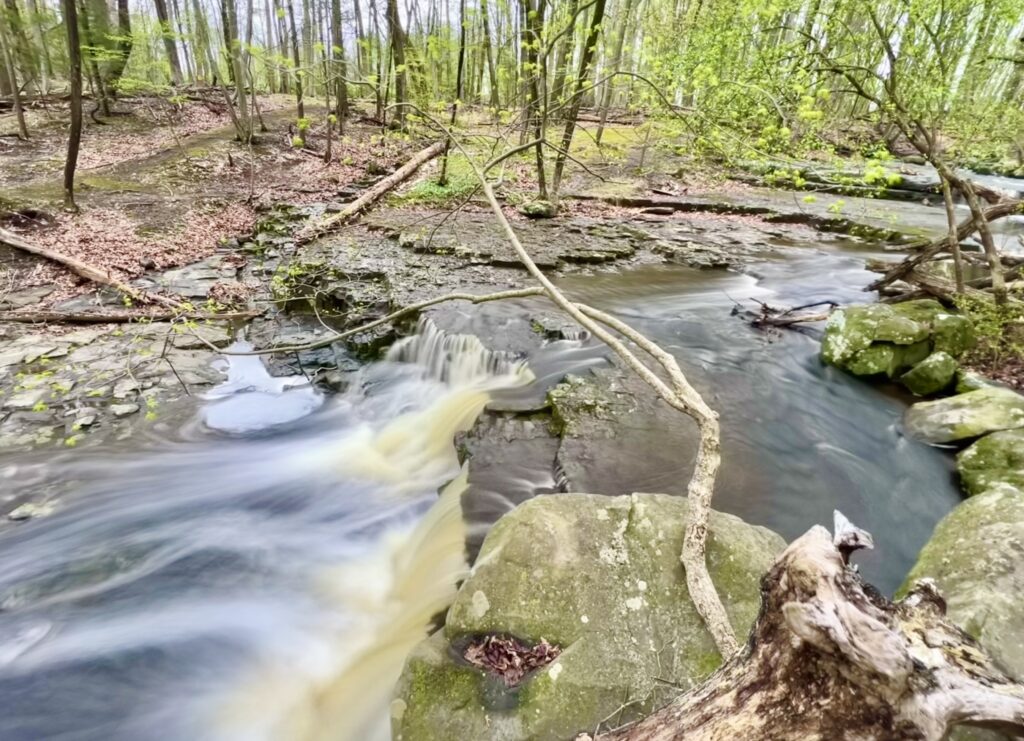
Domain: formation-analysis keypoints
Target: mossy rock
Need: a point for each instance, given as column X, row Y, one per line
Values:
column 931, row 375
column 975, row 557
column 967, row 380
column 966, row 416
column 952, row 334
column 994, row 459
column 601, row 578
column 539, row 209
column 853, row 330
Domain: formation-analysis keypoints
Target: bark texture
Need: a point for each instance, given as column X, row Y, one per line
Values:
column 831, row 658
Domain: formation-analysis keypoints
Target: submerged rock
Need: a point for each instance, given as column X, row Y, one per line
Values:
column 975, row 558
column 931, row 375
column 598, row 578
column 995, row 459
column 966, row 416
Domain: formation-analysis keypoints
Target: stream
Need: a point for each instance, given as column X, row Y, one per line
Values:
column 261, row 573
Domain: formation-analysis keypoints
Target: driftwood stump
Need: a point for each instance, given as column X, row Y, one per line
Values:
column 831, row 658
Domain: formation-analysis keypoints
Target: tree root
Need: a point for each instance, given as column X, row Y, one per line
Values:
column 830, row 658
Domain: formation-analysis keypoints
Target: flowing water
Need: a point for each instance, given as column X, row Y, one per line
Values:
column 262, row 573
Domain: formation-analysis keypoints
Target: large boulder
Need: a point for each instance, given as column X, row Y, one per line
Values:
column 931, row 375
column 966, row 416
column 600, row 579
column 976, row 556
column 994, row 459
column 889, row 339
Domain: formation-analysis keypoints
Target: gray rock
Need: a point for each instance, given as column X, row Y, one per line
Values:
column 123, row 410
column 931, row 375
column 966, row 416
column 599, row 577
column 994, row 459
column 125, row 387
column 24, row 400
column 30, row 510
column 975, row 558
column 539, row 209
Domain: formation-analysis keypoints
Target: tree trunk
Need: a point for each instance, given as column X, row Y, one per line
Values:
column 534, row 78
column 361, row 50
column 189, row 67
column 123, row 48
column 75, row 81
column 299, row 107
column 563, row 57
column 954, row 240
column 10, row 77
column 167, row 33
column 39, row 36
column 609, row 86
column 398, row 55
column 590, row 45
column 338, row 66
column 93, row 65
column 19, row 40
column 492, row 70
column 443, row 177
column 268, row 42
column 244, row 127
column 830, row 658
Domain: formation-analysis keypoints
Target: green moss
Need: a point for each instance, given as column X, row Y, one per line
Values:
column 996, row 458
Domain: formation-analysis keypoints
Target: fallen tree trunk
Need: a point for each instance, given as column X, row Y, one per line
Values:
column 830, row 658
column 85, row 270
column 928, row 250
column 373, row 194
column 118, row 317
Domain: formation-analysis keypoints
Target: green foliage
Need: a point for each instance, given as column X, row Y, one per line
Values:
column 999, row 329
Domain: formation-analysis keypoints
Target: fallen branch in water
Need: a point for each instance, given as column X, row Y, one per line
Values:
column 927, row 250
column 829, row 657
column 372, row 195
column 772, row 316
column 87, row 271
column 678, row 393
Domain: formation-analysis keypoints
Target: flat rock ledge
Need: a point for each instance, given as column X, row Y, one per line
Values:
column 593, row 584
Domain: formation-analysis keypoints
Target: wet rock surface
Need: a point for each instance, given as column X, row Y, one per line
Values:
column 966, row 416
column 975, row 558
column 994, row 459
column 599, row 577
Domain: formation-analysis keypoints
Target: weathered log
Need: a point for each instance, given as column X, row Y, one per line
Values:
column 927, row 250
column 115, row 317
column 373, row 194
column 84, row 269
column 831, row 658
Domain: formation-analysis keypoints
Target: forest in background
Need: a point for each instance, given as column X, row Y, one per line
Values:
column 738, row 79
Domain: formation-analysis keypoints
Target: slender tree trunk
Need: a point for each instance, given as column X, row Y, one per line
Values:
column 268, row 42
column 93, row 67
column 338, row 66
column 75, row 79
column 123, row 48
column 282, row 35
column 398, row 55
column 7, row 73
column 361, row 65
column 954, row 240
column 235, row 60
column 19, row 40
column 586, row 55
column 443, row 177
column 39, row 37
column 189, row 68
column 492, row 71
column 535, row 29
column 378, row 97
column 167, row 33
column 563, row 56
column 609, row 86
column 298, row 63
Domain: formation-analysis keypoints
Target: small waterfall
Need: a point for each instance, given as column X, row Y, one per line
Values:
column 454, row 359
